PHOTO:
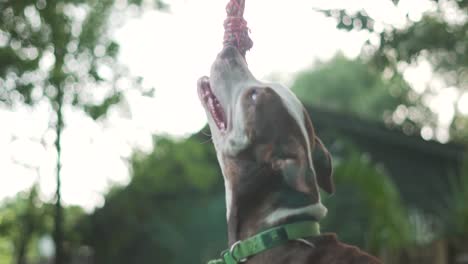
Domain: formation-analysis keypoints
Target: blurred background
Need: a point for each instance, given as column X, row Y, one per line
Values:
column 104, row 153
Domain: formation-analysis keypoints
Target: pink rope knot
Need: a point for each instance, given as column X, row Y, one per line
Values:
column 236, row 32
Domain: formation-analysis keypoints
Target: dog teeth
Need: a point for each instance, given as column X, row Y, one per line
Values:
column 214, row 107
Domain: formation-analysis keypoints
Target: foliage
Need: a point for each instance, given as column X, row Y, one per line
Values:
column 173, row 203
column 20, row 219
column 350, row 86
column 460, row 128
column 370, row 202
column 438, row 37
column 184, row 166
column 6, row 255
column 54, row 47
column 24, row 219
column 455, row 209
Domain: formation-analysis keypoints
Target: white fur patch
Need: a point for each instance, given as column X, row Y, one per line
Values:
column 227, row 185
column 228, row 189
column 316, row 210
column 237, row 139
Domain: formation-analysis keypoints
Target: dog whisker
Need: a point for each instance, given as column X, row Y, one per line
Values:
column 206, row 133
column 207, row 141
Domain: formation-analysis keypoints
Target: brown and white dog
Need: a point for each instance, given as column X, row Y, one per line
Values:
column 272, row 161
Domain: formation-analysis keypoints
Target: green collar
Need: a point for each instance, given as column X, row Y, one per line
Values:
column 267, row 239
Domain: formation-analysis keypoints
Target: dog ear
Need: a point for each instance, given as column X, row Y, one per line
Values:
column 293, row 166
column 298, row 174
column 321, row 158
column 323, row 166
column 291, row 160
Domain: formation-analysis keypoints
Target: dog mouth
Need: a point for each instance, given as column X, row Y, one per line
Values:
column 212, row 103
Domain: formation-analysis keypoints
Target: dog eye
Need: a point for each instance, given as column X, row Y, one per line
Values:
column 253, row 95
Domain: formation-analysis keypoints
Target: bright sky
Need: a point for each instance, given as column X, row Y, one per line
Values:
column 171, row 51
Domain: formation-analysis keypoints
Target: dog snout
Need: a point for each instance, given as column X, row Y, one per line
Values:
column 228, row 52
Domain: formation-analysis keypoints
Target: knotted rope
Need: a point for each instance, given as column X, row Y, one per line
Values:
column 236, row 32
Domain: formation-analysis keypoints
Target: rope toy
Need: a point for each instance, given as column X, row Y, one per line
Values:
column 236, row 32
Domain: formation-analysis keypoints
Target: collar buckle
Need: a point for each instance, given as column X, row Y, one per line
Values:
column 231, row 251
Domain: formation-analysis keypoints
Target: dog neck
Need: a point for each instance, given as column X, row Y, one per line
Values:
column 265, row 203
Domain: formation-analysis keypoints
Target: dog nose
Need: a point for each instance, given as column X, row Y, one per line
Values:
column 228, row 52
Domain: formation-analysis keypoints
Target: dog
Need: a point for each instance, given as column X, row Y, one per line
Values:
column 272, row 161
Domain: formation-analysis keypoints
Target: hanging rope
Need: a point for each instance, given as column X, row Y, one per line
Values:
column 236, row 32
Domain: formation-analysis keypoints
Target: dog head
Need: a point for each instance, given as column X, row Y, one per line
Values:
column 256, row 124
